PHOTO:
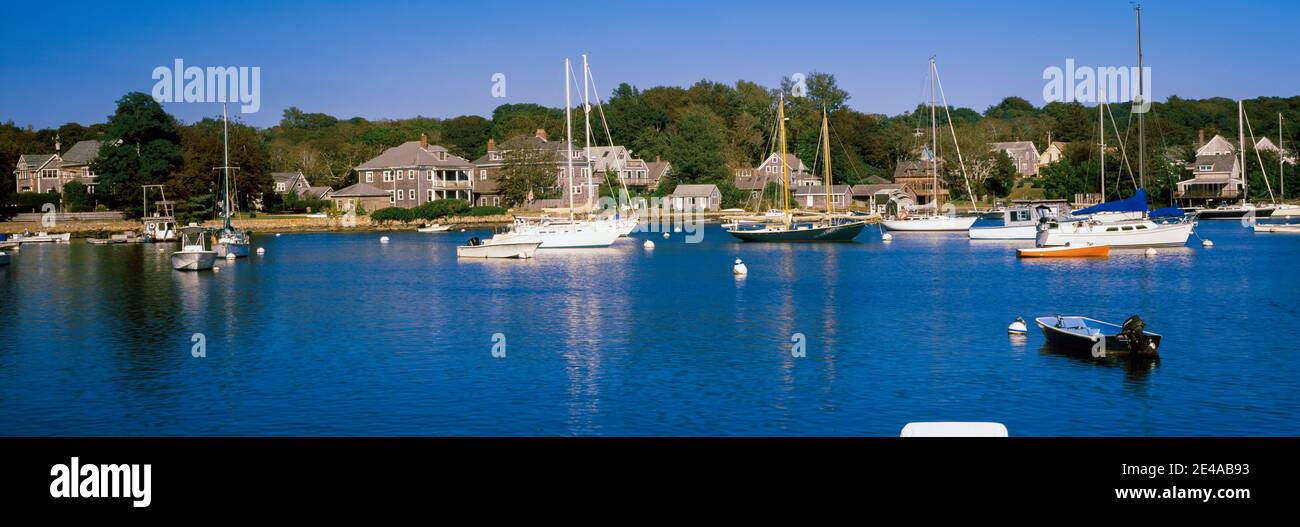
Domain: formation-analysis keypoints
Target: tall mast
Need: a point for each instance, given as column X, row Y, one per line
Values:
column 934, row 144
column 568, row 125
column 1101, row 126
column 1241, row 147
column 826, row 149
column 586, row 112
column 1142, row 136
column 785, row 178
column 225, row 165
column 1280, row 174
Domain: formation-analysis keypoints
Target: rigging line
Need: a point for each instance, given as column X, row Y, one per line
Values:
column 601, row 109
column 953, row 130
column 847, row 155
column 1122, row 150
column 1262, row 170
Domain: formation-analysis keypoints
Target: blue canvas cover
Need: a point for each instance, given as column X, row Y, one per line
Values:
column 1167, row 212
column 1136, row 203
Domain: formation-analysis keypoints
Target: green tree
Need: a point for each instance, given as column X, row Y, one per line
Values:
column 526, row 168
column 697, row 140
column 142, row 146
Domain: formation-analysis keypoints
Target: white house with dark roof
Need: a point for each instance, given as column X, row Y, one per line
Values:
column 1216, row 146
column 416, row 172
column 46, row 172
column 695, row 197
column 1023, row 153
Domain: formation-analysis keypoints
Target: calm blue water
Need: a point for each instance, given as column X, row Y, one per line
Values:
column 338, row 334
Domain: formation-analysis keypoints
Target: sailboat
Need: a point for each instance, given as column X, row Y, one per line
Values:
column 1244, row 208
column 1283, row 209
column 828, row 229
column 573, row 233
column 623, row 225
column 229, row 239
column 195, row 253
column 931, row 220
column 1143, row 232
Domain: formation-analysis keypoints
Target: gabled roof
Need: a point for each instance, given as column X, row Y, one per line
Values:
column 876, row 180
column 409, row 154
column 792, row 162
column 877, row 188
column 286, row 177
column 1015, row 148
column 35, row 161
column 694, row 191
column 1265, row 145
column 1217, row 145
column 1222, row 164
column 657, row 169
column 317, row 192
column 82, row 153
column 359, row 190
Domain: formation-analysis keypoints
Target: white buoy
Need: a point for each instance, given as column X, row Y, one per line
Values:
column 887, row 237
column 230, row 256
column 1207, row 243
column 739, row 269
column 648, row 244
column 1151, row 252
column 1018, row 327
column 261, row 251
column 277, row 235
column 383, row 239
column 666, row 235
column 215, row 268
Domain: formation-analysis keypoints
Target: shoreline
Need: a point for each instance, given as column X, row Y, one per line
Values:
column 95, row 229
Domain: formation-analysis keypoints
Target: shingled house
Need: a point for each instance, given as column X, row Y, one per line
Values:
column 1023, row 153
column 1216, row 175
column 918, row 177
column 46, row 172
column 416, row 172
column 487, row 169
column 769, row 171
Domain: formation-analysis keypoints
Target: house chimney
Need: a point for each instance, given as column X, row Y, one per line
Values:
column 1200, row 137
column 657, row 159
column 424, row 141
column 492, row 145
column 541, row 133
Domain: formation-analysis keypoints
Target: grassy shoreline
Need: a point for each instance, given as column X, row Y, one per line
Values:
column 265, row 224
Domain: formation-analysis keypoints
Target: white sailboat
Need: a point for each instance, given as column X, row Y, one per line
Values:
column 931, row 219
column 1283, row 209
column 195, row 253
column 229, row 239
column 573, row 233
column 1244, row 208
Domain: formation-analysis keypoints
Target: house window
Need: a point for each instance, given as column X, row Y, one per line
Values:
column 577, row 190
column 482, row 175
column 388, row 175
column 370, row 176
column 1206, row 168
column 430, row 194
column 401, row 196
column 430, row 175
column 411, row 194
column 410, row 174
column 279, row 187
column 496, row 200
column 50, row 173
column 390, row 197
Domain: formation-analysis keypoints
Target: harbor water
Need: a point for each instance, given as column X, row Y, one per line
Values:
column 338, row 334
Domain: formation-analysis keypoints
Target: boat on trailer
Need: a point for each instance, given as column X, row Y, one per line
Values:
column 1101, row 339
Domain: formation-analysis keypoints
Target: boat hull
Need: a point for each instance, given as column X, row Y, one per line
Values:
column 1016, row 232
column 517, row 250
column 240, row 250
column 1286, row 211
column 931, row 224
column 4, row 258
column 193, row 260
column 831, row 233
column 1284, row 229
column 1116, row 235
column 1233, row 213
column 1090, row 251
column 1090, row 339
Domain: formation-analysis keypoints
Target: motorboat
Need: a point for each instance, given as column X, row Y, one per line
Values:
column 196, row 253
column 43, row 237
column 1083, row 229
column 1234, row 212
column 4, row 258
column 1083, row 251
column 1285, row 228
column 1285, row 210
column 1020, row 221
column 500, row 246
column 158, row 224
column 433, row 228
column 1101, row 339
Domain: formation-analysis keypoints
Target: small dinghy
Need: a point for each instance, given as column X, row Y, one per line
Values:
column 501, row 246
column 1278, row 228
column 1082, row 251
column 1101, row 339
column 433, row 228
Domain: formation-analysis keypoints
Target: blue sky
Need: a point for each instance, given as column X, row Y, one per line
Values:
column 69, row 61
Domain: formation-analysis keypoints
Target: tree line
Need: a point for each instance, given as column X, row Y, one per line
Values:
column 706, row 130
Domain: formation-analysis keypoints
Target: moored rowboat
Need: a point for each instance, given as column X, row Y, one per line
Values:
column 1101, row 339
column 1084, row 251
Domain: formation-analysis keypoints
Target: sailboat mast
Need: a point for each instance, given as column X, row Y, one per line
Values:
column 1280, row 174
column 1101, row 127
column 1241, row 147
column 586, row 112
column 225, row 165
column 934, row 141
column 1142, row 136
column 826, row 149
column 785, row 178
column 568, row 125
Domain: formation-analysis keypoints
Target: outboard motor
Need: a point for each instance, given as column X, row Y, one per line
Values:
column 1134, row 331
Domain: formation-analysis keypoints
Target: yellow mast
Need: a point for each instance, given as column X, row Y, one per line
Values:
column 826, row 150
column 785, row 179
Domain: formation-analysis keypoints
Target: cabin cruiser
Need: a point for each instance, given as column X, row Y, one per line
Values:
column 196, row 253
column 1235, row 211
column 518, row 246
column 1078, row 231
column 1020, row 220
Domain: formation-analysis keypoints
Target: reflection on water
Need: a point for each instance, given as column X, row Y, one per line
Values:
column 339, row 334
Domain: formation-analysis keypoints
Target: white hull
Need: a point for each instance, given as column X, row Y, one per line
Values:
column 931, row 224
column 1112, row 217
column 434, row 228
column 499, row 249
column 240, row 250
column 1289, row 229
column 46, row 238
column 1017, row 232
column 193, row 260
column 1118, row 235
column 571, row 235
column 1286, row 210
